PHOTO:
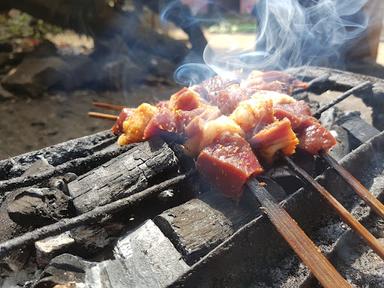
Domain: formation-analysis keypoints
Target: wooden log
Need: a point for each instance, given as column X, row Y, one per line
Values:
column 144, row 257
column 199, row 225
column 144, row 165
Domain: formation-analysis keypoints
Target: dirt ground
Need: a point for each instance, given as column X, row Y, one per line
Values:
column 30, row 124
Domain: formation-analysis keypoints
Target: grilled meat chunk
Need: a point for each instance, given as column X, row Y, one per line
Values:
column 227, row 163
column 274, row 138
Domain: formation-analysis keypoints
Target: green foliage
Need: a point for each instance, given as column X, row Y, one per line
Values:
column 21, row 25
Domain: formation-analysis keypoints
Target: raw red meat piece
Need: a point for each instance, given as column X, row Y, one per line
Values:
column 314, row 138
column 228, row 163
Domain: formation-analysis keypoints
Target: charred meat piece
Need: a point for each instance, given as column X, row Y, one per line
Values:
column 135, row 124
column 117, row 129
column 276, row 137
column 228, row 163
column 314, row 138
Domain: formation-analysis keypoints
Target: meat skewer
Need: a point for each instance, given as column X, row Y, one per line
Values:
column 311, row 83
column 308, row 252
column 102, row 116
column 108, row 106
column 226, row 157
column 360, row 190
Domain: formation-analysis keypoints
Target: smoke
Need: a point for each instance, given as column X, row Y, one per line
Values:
column 291, row 33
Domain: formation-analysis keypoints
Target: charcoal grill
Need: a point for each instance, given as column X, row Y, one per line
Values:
column 201, row 241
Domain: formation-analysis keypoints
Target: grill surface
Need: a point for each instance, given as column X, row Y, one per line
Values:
column 219, row 243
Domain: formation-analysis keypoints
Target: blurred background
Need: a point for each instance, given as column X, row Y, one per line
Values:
column 58, row 56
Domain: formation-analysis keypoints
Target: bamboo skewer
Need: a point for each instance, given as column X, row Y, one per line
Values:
column 102, row 116
column 108, row 106
column 311, row 83
column 355, row 184
column 303, row 246
column 343, row 213
column 340, row 98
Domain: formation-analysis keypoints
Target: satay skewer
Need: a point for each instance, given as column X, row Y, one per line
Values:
column 108, row 106
column 371, row 201
column 355, row 184
column 341, row 97
column 336, row 205
column 303, row 246
column 103, row 116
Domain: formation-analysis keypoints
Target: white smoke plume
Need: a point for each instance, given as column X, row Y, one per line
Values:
column 291, row 33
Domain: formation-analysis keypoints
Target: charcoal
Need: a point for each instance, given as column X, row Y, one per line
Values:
column 358, row 130
column 79, row 165
column 57, row 154
column 38, row 167
column 61, row 182
column 63, row 270
column 286, row 179
column 38, row 207
column 144, row 258
column 91, row 239
column 199, row 225
column 274, row 188
column 343, row 146
column 142, row 166
column 14, row 262
column 50, row 247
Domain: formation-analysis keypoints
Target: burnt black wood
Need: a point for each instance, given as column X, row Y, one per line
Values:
column 358, row 130
column 146, row 164
column 91, row 216
column 199, row 225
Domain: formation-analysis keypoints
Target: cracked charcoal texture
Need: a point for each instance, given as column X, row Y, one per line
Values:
column 146, row 164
